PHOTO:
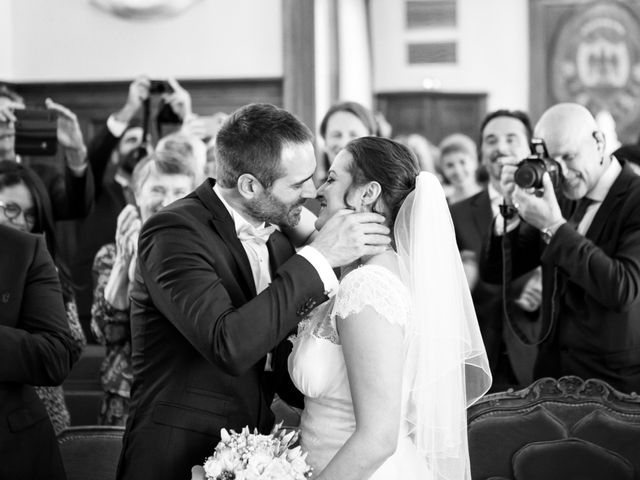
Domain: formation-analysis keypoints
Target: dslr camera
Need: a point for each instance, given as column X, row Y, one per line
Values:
column 165, row 112
column 159, row 87
column 530, row 170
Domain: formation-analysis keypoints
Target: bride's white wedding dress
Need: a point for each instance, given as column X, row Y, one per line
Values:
column 317, row 367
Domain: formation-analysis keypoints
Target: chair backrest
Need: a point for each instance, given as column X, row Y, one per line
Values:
column 511, row 431
column 91, row 451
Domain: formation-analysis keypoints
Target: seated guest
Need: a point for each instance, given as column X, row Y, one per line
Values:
column 157, row 181
column 68, row 181
column 24, row 205
column 459, row 166
column 36, row 348
column 585, row 233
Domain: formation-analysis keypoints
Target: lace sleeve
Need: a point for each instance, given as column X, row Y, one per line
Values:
column 375, row 287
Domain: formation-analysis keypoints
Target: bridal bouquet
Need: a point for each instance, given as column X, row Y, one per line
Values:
column 251, row 456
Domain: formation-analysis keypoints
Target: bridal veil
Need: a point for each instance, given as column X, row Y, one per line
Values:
column 446, row 368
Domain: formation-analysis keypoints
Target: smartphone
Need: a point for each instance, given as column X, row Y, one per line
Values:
column 36, row 132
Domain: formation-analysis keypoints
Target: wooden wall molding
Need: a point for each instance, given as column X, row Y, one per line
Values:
column 93, row 102
column 433, row 114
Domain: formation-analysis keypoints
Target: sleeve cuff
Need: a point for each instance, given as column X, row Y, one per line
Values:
column 317, row 260
column 116, row 127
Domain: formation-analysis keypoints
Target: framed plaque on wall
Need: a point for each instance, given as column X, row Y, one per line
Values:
column 587, row 52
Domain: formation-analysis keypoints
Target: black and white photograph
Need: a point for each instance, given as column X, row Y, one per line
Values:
column 320, row 240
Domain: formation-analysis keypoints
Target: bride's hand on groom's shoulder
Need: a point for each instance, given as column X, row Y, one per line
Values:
column 348, row 236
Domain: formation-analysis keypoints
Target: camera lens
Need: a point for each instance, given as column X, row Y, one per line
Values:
column 526, row 176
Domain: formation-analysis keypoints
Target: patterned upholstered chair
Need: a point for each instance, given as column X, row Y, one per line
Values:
column 556, row 429
column 91, row 452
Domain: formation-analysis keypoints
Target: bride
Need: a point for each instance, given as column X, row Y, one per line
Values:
column 389, row 365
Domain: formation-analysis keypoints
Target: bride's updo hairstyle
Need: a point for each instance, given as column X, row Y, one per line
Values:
column 389, row 163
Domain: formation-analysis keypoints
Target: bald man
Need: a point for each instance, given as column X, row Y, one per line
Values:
column 588, row 242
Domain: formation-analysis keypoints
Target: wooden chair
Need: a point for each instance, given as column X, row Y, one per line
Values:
column 556, row 429
column 91, row 452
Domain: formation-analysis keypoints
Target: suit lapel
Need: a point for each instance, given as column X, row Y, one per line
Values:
column 611, row 202
column 223, row 224
column 280, row 250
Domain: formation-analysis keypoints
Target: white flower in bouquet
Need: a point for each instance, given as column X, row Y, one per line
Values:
column 278, row 468
column 229, row 459
column 212, row 468
column 251, row 456
column 259, row 461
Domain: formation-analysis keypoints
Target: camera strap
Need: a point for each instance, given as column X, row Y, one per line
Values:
column 146, row 115
column 507, row 289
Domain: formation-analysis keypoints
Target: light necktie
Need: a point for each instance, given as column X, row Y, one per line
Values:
column 259, row 235
column 254, row 242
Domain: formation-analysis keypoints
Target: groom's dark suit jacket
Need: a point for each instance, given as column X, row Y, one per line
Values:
column 200, row 335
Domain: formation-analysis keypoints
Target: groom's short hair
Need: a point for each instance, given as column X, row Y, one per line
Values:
column 251, row 141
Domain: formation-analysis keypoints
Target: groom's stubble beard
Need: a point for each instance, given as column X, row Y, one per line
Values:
column 271, row 210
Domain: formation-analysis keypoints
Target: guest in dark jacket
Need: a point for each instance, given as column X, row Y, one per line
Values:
column 503, row 134
column 36, row 348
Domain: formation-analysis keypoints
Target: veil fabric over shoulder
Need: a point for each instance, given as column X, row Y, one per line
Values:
column 446, row 368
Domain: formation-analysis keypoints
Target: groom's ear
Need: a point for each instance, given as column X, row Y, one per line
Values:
column 249, row 186
column 371, row 193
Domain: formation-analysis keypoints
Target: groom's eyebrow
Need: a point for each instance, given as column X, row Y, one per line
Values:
column 301, row 182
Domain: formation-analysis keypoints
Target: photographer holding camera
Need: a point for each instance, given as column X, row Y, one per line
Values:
column 69, row 181
column 586, row 237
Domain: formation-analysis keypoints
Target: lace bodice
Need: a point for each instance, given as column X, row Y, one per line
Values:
column 317, row 364
column 370, row 286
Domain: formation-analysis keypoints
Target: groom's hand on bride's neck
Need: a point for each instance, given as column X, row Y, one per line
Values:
column 347, row 236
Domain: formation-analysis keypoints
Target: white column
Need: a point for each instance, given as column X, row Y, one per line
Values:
column 354, row 52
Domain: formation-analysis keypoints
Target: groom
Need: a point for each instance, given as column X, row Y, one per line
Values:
column 215, row 296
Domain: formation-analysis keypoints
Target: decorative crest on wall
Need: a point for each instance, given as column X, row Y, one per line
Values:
column 595, row 60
